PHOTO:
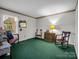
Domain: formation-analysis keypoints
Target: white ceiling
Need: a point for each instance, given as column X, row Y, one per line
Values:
column 37, row 8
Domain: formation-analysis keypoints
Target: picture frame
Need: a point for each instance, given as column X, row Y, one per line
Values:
column 22, row 24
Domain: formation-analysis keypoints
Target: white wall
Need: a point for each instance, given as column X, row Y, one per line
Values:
column 26, row 33
column 76, row 31
column 64, row 22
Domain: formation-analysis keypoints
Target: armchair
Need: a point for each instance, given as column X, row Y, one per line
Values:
column 11, row 38
column 63, row 38
column 38, row 34
column 16, row 38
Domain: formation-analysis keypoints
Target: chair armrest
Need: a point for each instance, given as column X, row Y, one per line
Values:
column 16, row 35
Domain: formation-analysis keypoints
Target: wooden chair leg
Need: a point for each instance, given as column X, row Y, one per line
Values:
column 62, row 43
column 55, row 42
column 67, row 44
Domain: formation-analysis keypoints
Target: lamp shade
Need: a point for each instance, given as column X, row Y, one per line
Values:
column 52, row 27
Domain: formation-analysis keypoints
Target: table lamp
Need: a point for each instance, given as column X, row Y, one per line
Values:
column 52, row 27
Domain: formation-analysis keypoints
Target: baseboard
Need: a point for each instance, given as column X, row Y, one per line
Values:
column 26, row 39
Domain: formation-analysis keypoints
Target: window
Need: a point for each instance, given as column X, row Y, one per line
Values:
column 10, row 24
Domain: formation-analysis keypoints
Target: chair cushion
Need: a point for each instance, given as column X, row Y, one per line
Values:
column 9, row 35
column 58, row 37
column 13, row 40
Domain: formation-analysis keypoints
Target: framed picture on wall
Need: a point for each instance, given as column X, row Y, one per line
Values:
column 22, row 24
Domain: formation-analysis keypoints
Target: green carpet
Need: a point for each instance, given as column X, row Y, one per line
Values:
column 40, row 49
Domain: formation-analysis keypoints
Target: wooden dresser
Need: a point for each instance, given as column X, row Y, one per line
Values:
column 49, row 36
